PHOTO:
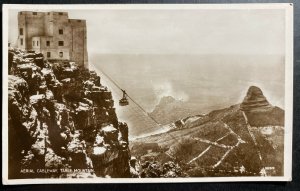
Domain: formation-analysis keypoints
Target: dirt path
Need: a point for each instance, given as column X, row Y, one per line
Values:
column 207, row 149
column 200, row 155
column 252, row 136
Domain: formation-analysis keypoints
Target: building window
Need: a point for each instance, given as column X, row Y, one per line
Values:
column 60, row 43
column 37, row 43
column 21, row 41
column 61, row 54
column 60, row 31
column 79, row 21
column 48, row 43
column 21, row 31
column 34, row 13
column 33, row 43
column 60, row 13
column 48, row 54
column 48, row 13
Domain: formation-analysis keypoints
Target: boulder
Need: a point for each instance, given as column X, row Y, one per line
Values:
column 110, row 133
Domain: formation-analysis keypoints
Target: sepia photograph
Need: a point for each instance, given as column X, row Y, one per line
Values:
column 147, row 93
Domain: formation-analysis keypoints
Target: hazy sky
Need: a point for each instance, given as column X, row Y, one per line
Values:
column 179, row 31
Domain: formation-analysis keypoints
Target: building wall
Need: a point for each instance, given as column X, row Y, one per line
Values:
column 47, row 26
column 33, row 25
column 78, row 38
column 53, row 49
column 36, row 44
column 21, row 37
column 49, row 20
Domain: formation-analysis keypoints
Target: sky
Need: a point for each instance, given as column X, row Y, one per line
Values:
column 178, row 31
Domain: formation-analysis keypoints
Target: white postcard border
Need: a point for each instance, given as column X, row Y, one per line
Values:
column 288, row 7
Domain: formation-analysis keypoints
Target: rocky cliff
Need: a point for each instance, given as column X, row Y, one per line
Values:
column 62, row 121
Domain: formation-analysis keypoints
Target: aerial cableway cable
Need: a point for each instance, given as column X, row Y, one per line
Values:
column 137, row 104
column 130, row 97
column 134, row 110
column 145, row 112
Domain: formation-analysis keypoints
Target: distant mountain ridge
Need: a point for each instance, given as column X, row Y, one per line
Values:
column 248, row 136
column 170, row 109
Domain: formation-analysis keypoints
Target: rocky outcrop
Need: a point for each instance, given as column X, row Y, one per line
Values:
column 109, row 147
column 255, row 100
column 62, row 118
column 156, row 170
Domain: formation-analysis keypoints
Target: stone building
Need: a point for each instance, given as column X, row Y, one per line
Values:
column 54, row 35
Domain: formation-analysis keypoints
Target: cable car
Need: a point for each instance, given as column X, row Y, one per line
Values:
column 124, row 101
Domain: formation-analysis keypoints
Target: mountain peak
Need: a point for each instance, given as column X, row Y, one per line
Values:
column 167, row 100
column 170, row 109
column 254, row 100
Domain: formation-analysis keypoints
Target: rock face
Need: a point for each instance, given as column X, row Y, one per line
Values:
column 255, row 100
column 61, row 117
